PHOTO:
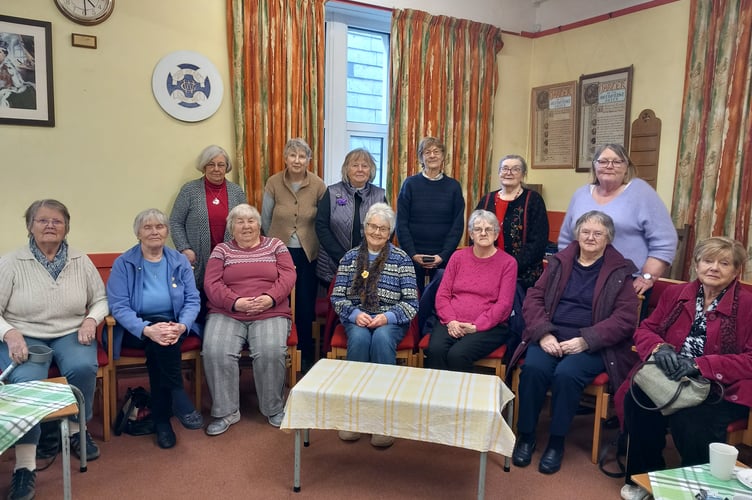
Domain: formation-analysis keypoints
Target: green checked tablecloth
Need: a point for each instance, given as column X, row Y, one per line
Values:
column 24, row 405
column 686, row 482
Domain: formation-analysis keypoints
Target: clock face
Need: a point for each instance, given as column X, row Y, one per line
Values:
column 86, row 11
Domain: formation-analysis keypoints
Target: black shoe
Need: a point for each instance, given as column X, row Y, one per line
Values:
column 92, row 450
column 192, row 420
column 22, row 486
column 550, row 462
column 165, row 436
column 523, row 453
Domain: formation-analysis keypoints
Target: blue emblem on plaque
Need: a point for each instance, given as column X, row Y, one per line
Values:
column 188, row 87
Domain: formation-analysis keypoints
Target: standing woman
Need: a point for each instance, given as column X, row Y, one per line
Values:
column 197, row 220
column 644, row 231
column 430, row 210
column 289, row 214
column 153, row 296
column 339, row 221
column 522, row 217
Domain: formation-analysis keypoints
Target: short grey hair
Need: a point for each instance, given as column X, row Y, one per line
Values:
column 596, row 216
column 522, row 161
column 359, row 154
column 384, row 211
column 297, row 144
column 715, row 246
column 147, row 215
column 242, row 210
column 485, row 216
column 210, row 152
column 31, row 212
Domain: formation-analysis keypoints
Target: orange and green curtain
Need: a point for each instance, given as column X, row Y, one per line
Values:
column 443, row 82
column 277, row 71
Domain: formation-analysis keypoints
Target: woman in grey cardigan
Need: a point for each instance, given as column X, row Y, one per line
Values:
column 199, row 215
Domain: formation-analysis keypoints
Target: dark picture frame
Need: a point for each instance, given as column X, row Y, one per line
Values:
column 26, row 92
column 603, row 113
column 553, row 116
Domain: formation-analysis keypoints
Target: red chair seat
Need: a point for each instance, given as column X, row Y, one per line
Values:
column 737, row 425
column 601, row 379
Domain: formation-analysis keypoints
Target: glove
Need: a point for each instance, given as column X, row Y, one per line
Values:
column 666, row 359
column 686, row 368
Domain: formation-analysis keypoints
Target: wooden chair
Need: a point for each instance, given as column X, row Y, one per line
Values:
column 492, row 361
column 405, row 348
column 190, row 354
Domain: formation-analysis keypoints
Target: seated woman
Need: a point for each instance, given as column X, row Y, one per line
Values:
column 248, row 282
column 580, row 317
column 474, row 299
column 153, row 296
column 375, row 296
column 44, row 273
column 699, row 328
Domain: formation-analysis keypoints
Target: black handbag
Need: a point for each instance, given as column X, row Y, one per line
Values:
column 134, row 417
column 669, row 395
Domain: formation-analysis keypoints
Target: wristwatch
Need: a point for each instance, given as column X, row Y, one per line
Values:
column 645, row 276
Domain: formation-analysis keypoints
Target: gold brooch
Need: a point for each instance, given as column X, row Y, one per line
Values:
column 364, row 274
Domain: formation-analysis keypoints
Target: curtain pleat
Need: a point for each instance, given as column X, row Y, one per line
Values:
column 714, row 170
column 443, row 82
column 277, row 71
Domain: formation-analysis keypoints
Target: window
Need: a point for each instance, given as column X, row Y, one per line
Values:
column 357, row 68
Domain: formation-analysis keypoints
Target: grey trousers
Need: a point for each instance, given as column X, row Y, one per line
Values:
column 224, row 339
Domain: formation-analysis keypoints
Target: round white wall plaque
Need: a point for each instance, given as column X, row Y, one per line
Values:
column 187, row 86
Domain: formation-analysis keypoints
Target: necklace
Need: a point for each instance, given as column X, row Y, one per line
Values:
column 514, row 196
column 214, row 193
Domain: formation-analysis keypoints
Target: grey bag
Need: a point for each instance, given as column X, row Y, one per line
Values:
column 669, row 395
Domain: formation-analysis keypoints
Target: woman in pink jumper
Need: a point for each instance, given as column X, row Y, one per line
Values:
column 474, row 299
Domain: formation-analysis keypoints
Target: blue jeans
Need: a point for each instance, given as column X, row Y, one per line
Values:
column 77, row 363
column 377, row 346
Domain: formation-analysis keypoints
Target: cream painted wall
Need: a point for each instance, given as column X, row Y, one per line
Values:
column 113, row 151
column 654, row 41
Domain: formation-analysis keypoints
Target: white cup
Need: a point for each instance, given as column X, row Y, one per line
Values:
column 722, row 460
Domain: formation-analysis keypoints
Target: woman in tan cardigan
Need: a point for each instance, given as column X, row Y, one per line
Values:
column 289, row 213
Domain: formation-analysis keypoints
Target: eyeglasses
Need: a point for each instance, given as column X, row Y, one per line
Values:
column 606, row 163
column 482, row 230
column 433, row 152
column 47, row 222
column 597, row 235
column 377, row 229
column 221, row 166
column 510, row 170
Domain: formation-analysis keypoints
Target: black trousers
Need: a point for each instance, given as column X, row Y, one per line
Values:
column 163, row 366
column 448, row 353
column 306, row 286
column 693, row 429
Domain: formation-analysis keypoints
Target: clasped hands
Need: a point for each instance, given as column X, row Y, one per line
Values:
column 253, row 305
column 673, row 365
column 365, row 320
column 165, row 333
column 553, row 347
column 458, row 329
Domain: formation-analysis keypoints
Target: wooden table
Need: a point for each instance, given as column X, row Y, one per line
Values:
column 451, row 408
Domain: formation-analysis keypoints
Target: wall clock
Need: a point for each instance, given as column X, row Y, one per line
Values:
column 87, row 12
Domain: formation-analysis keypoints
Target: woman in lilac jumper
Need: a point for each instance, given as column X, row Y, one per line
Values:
column 474, row 299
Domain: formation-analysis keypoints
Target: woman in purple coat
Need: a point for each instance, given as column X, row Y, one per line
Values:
column 700, row 328
column 580, row 317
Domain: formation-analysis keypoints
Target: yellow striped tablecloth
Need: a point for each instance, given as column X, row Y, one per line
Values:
column 451, row 408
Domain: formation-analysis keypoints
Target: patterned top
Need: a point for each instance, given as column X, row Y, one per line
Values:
column 397, row 289
column 694, row 344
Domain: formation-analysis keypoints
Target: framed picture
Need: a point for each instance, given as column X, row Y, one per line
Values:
column 604, row 101
column 26, row 72
column 553, row 110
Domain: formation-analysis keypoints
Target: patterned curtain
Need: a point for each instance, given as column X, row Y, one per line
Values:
column 713, row 188
column 443, row 83
column 277, row 70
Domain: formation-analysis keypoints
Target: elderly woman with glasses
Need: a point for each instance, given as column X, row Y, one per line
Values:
column 580, row 316
column 248, row 282
column 431, row 213
column 644, row 231
column 153, row 296
column 197, row 220
column 375, row 296
column 474, row 299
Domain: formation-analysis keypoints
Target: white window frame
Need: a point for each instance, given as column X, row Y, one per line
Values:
column 337, row 130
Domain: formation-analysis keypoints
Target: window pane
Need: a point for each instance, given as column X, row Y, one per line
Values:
column 367, row 76
column 374, row 145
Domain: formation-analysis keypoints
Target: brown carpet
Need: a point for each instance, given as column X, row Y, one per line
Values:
column 254, row 460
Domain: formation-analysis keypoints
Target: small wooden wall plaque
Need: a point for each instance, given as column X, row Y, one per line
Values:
column 645, row 145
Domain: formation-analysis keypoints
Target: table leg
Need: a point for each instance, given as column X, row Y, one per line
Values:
column 64, row 431
column 81, row 424
column 307, row 437
column 296, row 474
column 482, row 475
column 509, row 419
